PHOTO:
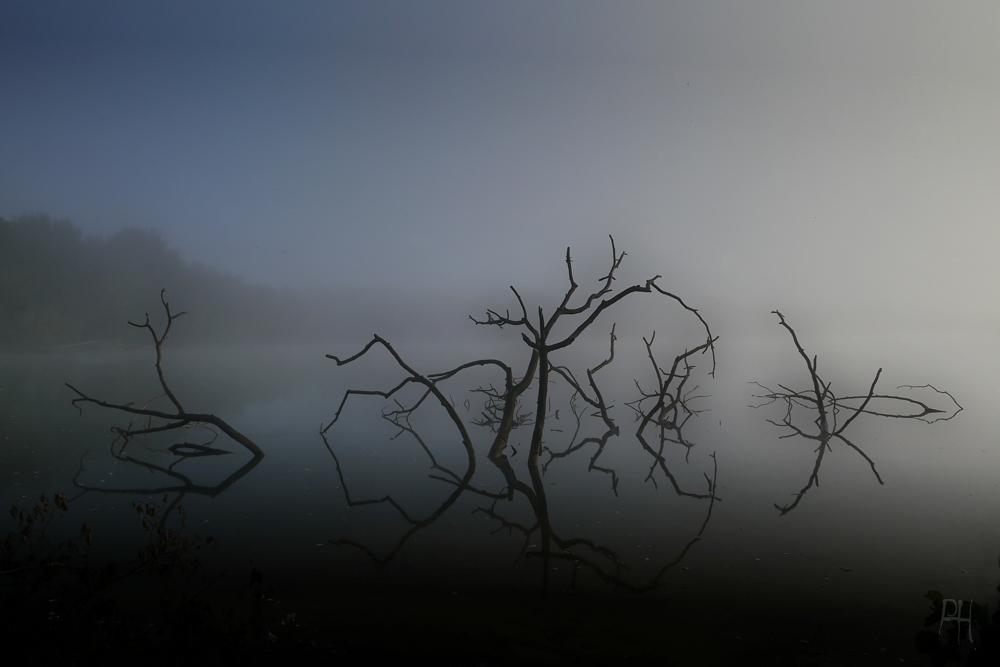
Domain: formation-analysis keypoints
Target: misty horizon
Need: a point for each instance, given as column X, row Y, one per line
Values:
column 458, row 150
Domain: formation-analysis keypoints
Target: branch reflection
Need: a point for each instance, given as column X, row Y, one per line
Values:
column 667, row 408
column 183, row 484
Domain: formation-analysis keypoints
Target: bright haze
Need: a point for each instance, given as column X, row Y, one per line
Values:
column 839, row 156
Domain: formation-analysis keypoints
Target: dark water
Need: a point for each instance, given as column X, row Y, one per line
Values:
column 318, row 509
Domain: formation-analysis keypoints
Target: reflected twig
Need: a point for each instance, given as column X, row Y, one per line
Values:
column 183, row 485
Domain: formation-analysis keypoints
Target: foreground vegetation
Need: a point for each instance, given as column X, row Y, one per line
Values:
column 59, row 606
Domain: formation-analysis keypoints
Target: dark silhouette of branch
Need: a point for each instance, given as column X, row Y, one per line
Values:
column 414, row 378
column 178, row 419
column 827, row 406
column 600, row 405
column 502, row 412
column 182, row 485
column 539, row 339
column 670, row 411
column 601, row 561
column 400, row 417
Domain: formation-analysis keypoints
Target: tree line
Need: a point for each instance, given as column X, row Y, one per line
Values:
column 59, row 288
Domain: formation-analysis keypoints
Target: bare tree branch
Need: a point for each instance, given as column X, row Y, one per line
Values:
column 827, row 406
column 502, row 412
column 538, row 340
column 180, row 418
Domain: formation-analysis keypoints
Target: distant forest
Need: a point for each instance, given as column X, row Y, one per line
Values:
column 61, row 289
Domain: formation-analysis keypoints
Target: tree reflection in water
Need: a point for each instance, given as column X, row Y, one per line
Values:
column 182, row 484
column 822, row 402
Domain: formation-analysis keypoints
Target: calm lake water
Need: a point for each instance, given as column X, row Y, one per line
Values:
column 850, row 543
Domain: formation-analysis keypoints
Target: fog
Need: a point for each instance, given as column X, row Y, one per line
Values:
column 754, row 155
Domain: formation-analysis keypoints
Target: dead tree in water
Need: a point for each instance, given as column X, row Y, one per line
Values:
column 670, row 411
column 539, row 339
column 827, row 406
column 600, row 406
column 503, row 412
column 178, row 419
column 503, row 407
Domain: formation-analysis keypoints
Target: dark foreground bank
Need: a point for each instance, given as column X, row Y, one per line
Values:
column 276, row 620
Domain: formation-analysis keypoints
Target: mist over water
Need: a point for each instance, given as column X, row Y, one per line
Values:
column 299, row 180
column 302, row 510
column 280, row 396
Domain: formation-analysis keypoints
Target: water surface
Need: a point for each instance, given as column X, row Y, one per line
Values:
column 571, row 523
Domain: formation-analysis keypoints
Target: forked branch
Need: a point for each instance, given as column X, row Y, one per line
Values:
column 178, row 419
column 540, row 341
column 823, row 402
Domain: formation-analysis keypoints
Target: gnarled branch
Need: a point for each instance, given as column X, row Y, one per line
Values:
column 827, row 406
column 175, row 420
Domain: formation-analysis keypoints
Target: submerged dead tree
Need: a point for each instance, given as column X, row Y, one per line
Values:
column 670, row 411
column 167, row 421
column 504, row 411
column 538, row 334
column 821, row 401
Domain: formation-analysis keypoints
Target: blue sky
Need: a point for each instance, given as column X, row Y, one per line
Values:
column 840, row 155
